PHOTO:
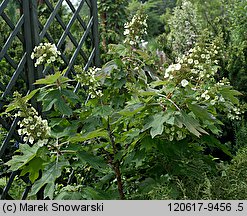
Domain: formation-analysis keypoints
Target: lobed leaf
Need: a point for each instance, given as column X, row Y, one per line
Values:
column 28, row 153
column 49, row 176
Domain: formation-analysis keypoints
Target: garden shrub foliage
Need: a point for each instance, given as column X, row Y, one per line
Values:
column 134, row 129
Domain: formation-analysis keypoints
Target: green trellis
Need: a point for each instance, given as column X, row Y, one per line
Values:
column 34, row 22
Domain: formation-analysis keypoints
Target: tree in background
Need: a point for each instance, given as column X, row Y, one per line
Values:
column 237, row 50
column 112, row 15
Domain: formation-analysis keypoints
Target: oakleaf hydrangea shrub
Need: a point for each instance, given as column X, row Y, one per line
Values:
column 190, row 96
column 138, row 115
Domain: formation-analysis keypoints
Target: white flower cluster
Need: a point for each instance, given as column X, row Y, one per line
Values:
column 213, row 96
column 197, row 69
column 88, row 78
column 202, row 61
column 199, row 65
column 224, row 81
column 234, row 113
column 205, row 95
column 171, row 69
column 136, row 29
column 45, row 53
column 33, row 128
column 209, row 94
column 184, row 83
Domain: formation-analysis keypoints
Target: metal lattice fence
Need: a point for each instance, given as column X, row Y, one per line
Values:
column 23, row 25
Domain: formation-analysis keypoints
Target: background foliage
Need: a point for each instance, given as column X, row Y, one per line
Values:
column 163, row 118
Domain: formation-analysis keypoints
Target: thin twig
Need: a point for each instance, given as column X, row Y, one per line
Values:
column 116, row 164
column 170, row 101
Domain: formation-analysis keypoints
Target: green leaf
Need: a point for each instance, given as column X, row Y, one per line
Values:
column 95, row 161
column 158, row 83
column 47, row 104
column 49, row 190
column 48, row 98
column 72, row 96
column 147, row 93
column 3, row 182
column 92, row 193
column 56, row 98
column 130, row 135
column 132, row 109
column 50, row 79
column 118, row 49
column 43, row 93
column 200, row 112
column 51, row 172
column 59, row 122
column 69, row 195
column 90, row 135
column 156, row 124
column 177, row 121
column 33, row 168
column 147, row 143
column 191, row 124
column 230, row 94
column 143, row 54
column 214, row 129
column 28, row 153
column 103, row 111
column 142, row 76
column 139, row 158
column 109, row 67
column 14, row 105
column 64, row 130
column 63, row 108
column 30, row 95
